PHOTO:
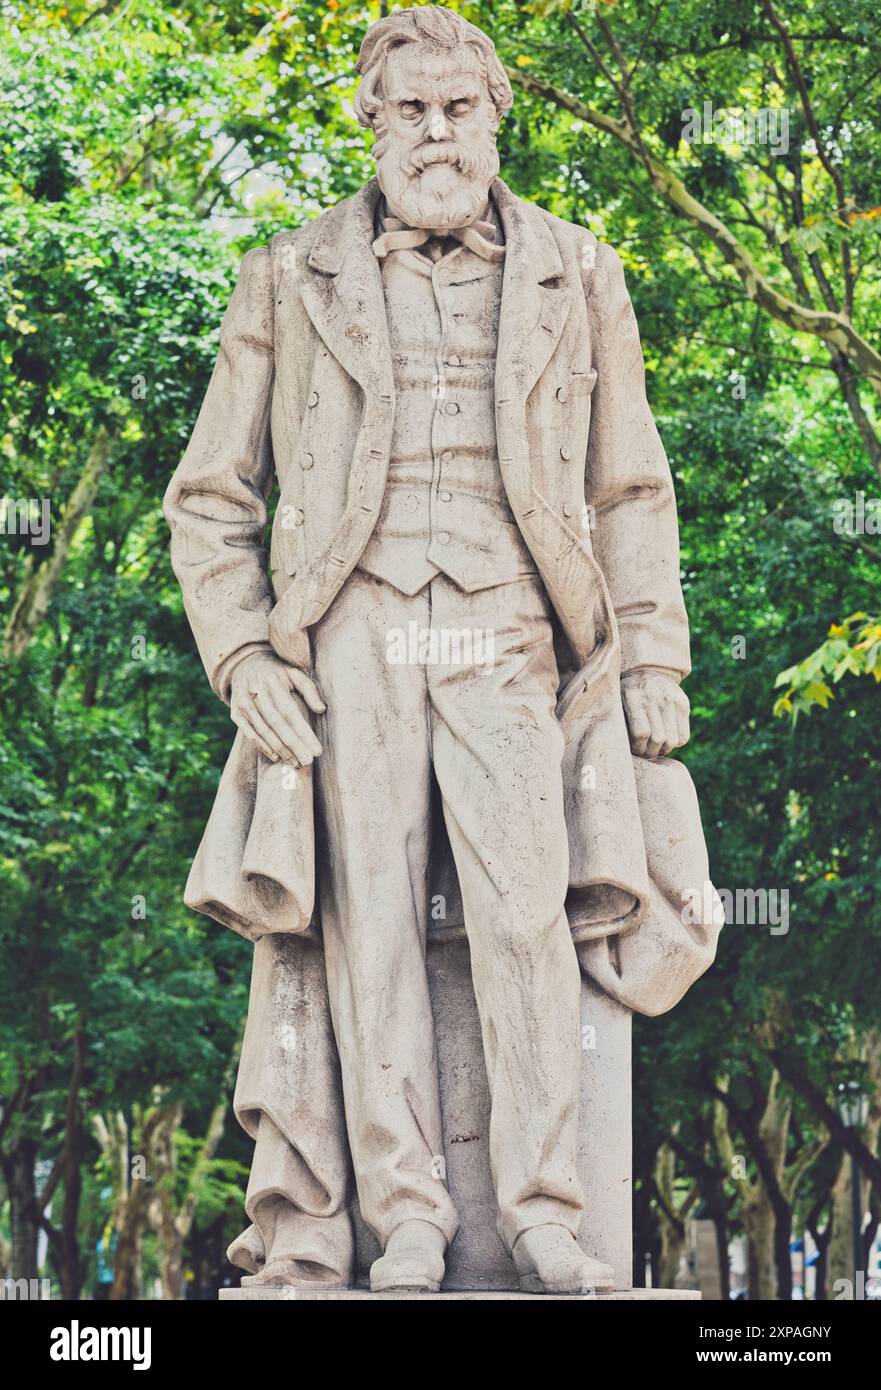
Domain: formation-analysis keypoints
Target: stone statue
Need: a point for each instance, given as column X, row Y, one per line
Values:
column 455, row 685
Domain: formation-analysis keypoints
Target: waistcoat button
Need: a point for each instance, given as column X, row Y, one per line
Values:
column 307, row 461
column 565, row 454
column 313, row 399
column 451, row 408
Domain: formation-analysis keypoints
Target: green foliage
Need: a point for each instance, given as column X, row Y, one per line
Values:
column 852, row 647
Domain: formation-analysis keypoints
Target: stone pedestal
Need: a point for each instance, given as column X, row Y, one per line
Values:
column 477, row 1260
column 287, row 1295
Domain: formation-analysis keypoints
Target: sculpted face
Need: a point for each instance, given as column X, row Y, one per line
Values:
column 436, row 150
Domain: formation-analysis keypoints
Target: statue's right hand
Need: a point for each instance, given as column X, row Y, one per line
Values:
column 268, row 701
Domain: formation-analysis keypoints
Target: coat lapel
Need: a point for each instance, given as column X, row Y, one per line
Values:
column 533, row 315
column 343, row 294
column 534, row 311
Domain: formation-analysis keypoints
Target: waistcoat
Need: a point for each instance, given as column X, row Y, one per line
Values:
column 445, row 509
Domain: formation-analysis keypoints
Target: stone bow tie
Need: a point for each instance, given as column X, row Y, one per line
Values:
column 399, row 237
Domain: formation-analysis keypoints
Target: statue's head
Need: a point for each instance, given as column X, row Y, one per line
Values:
column 434, row 92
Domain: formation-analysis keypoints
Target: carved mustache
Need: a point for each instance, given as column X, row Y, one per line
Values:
column 468, row 162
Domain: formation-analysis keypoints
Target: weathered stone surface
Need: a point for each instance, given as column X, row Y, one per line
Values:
column 477, row 1259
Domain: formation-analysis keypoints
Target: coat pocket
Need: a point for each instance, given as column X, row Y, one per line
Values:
column 582, row 383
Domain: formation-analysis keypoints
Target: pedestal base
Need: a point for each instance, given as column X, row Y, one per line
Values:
column 289, row 1295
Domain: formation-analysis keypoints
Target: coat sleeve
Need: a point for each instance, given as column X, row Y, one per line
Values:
column 215, row 503
column 629, row 485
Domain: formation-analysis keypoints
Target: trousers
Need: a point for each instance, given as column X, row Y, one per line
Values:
column 446, row 698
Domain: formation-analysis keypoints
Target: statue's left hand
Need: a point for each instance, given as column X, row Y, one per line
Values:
column 657, row 713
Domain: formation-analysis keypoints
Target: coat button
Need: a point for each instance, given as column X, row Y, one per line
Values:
column 447, row 456
column 565, row 454
column 443, row 538
column 306, row 461
column 313, row 399
column 562, row 395
column 446, row 497
column 454, row 361
column 299, row 516
column 567, row 510
column 451, row 408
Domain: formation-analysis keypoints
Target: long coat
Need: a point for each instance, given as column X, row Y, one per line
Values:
column 303, row 391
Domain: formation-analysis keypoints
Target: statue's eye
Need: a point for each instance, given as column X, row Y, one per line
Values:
column 460, row 107
column 411, row 109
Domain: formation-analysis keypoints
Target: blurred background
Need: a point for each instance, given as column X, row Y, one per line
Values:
column 144, row 147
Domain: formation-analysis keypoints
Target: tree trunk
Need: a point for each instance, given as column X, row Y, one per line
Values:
column 161, row 1212
column 672, row 1248
column 782, row 1257
column 41, row 579
column 821, row 1240
column 720, row 1221
column 840, row 1254
column 759, row 1224
column 128, row 1243
column 134, row 1208
column 74, row 1146
column 24, row 1211
column 821, row 1269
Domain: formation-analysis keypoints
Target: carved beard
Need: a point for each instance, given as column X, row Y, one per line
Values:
column 439, row 184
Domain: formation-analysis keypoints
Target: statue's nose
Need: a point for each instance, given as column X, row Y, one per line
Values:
column 437, row 126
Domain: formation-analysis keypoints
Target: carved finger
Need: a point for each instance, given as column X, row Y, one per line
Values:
column 291, row 727
column 306, row 686
column 637, row 722
column 671, row 729
column 683, row 725
column 658, row 734
column 261, row 726
column 242, row 722
column 289, row 706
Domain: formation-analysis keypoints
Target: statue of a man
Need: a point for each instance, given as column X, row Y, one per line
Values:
column 474, row 582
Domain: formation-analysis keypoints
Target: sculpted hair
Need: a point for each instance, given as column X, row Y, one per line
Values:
column 425, row 24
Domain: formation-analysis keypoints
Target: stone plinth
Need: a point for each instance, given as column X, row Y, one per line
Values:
column 286, row 1295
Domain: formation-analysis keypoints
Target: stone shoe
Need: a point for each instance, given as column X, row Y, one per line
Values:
column 295, row 1274
column 548, row 1259
column 413, row 1259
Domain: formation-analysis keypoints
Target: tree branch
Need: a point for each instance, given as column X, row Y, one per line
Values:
column 835, row 329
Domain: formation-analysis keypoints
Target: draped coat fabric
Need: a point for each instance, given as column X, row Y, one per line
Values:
column 303, row 392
